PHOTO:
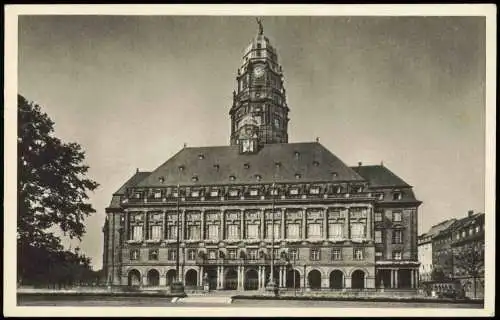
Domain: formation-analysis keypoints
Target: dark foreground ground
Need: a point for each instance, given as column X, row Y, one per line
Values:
column 82, row 301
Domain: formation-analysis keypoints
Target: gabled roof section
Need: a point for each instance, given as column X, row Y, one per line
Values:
column 380, row 176
column 298, row 163
column 435, row 229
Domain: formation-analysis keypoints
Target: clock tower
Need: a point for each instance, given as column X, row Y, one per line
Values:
column 260, row 96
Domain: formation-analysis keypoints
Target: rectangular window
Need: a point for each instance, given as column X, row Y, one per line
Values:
column 336, row 254
column 155, row 232
column 134, row 254
column 314, row 230
column 477, row 229
column 396, row 255
column 294, row 254
column 252, row 231
column 378, row 254
column 336, row 231
column 396, row 216
column 191, row 254
column 358, row 254
column 269, row 230
column 293, row 231
column 294, row 191
column 378, row 216
column 153, row 254
column 378, row 236
column 254, row 193
column 214, row 193
column 172, row 232
column 233, row 231
column 252, row 254
column 315, row 254
column 137, row 233
column 357, row 231
column 471, row 231
column 397, row 236
column 193, row 233
column 231, row 254
column 213, row 232
column 195, row 194
column 212, row 254
column 233, row 193
column 172, row 254
column 314, row 190
column 157, row 194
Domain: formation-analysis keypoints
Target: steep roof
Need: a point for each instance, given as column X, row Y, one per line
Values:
column 380, row 176
column 136, row 178
column 310, row 160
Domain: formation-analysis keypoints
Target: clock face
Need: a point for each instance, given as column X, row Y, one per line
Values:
column 258, row 71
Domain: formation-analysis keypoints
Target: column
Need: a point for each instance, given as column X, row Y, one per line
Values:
column 222, row 277
column 200, row 277
column 283, row 211
column 164, row 225
column 163, row 280
column 222, row 224
column 348, row 213
column 127, row 228
column 304, row 219
column 262, row 224
column 396, row 274
column 183, row 225
column 202, row 225
column 325, row 223
column 284, row 277
column 412, row 278
column 280, row 280
column 345, row 213
column 242, row 225
column 369, row 223
column 347, row 282
column 392, row 278
column 218, row 278
column 260, row 277
column 144, row 225
column 242, row 278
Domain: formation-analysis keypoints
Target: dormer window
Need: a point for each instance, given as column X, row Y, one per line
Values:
column 314, row 190
column 297, row 154
column 358, row 189
column 294, row 191
column 233, row 193
column 315, row 163
column 337, row 189
column 254, row 192
column 380, row 196
column 396, row 196
column 195, row 194
column 181, row 168
column 214, row 193
column 277, row 164
column 258, row 177
column 201, row 156
column 334, row 174
column 137, row 195
column 216, row 166
column 297, row 176
column 194, row 179
column 157, row 194
column 274, row 192
column 232, row 178
column 246, row 165
column 161, row 179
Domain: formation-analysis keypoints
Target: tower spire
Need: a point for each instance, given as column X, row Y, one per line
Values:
column 261, row 28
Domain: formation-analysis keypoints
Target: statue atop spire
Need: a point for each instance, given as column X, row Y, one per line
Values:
column 261, row 28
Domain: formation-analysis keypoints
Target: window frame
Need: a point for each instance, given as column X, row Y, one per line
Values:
column 315, row 254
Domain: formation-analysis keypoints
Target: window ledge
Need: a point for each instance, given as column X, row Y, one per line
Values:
column 134, row 241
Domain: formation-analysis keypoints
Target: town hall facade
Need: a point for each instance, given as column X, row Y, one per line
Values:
column 262, row 201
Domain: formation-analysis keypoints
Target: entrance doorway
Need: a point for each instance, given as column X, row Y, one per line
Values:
column 336, row 279
column 231, row 279
column 314, row 279
column 292, row 279
column 358, row 279
column 252, row 280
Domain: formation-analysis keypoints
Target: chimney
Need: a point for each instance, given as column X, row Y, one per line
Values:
column 360, row 164
column 137, row 170
column 470, row 213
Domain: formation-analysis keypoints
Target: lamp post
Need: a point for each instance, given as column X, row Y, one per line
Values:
column 178, row 286
column 271, row 286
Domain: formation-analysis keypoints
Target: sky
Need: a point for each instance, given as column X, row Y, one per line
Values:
column 408, row 91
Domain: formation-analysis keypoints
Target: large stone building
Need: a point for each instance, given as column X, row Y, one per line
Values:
column 456, row 248
column 260, row 201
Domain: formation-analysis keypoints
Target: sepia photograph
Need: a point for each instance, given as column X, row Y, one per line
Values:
column 264, row 160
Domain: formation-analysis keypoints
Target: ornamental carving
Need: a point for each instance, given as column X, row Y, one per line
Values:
column 193, row 216
column 295, row 214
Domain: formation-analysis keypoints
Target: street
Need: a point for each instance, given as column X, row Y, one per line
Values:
column 211, row 302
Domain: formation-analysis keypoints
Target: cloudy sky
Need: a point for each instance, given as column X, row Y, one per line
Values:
column 408, row 91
